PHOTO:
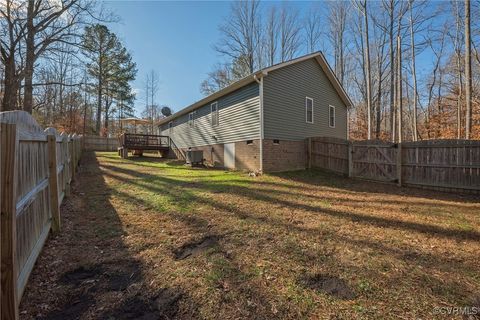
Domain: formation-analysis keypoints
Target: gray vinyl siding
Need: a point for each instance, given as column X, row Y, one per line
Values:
column 284, row 95
column 239, row 119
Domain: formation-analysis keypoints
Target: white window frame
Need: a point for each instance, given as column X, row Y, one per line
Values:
column 214, row 118
column 306, row 110
column 191, row 119
column 330, row 108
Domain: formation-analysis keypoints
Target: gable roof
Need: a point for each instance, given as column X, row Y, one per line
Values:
column 319, row 57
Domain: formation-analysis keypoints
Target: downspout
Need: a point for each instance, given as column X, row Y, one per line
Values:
column 260, row 82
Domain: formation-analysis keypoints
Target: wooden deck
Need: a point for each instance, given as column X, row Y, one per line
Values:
column 137, row 143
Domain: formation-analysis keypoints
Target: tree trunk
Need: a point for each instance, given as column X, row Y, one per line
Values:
column 468, row 72
column 99, row 95
column 9, row 101
column 399, row 89
column 369, row 77
column 30, row 59
column 392, row 75
column 379, row 102
column 414, row 75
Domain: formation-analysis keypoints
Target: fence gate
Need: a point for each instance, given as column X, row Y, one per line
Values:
column 374, row 160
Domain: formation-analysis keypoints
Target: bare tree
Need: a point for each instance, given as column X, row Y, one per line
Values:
column 241, row 33
column 457, row 39
column 271, row 36
column 290, row 32
column 436, row 74
column 468, row 72
column 151, row 85
column 399, row 90
column 362, row 7
column 48, row 23
column 11, row 22
column 313, row 29
column 218, row 78
column 414, row 72
column 337, row 22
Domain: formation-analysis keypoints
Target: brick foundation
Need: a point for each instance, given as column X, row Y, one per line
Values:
column 287, row 155
column 247, row 155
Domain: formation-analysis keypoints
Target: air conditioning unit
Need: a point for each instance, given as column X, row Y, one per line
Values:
column 194, row 157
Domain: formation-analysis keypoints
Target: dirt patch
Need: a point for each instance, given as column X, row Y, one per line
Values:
column 133, row 308
column 167, row 301
column 81, row 274
column 74, row 308
column 164, row 305
column 195, row 248
column 328, row 284
column 110, row 276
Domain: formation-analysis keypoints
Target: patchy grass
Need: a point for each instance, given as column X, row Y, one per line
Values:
column 168, row 241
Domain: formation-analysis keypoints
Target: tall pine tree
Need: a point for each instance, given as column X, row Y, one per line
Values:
column 112, row 67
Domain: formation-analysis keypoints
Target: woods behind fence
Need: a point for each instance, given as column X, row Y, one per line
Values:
column 440, row 164
column 37, row 168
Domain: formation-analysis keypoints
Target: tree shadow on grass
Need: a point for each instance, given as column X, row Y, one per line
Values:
column 323, row 178
column 99, row 275
column 173, row 188
column 266, row 196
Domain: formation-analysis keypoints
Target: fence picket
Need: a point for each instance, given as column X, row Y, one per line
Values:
column 445, row 164
column 36, row 166
column 9, row 267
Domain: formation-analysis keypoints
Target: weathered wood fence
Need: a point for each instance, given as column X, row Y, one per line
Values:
column 37, row 167
column 449, row 165
column 95, row 143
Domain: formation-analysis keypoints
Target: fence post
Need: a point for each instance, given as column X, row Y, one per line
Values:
column 309, row 153
column 72, row 155
column 53, row 182
column 1, row 196
column 9, row 143
column 399, row 164
column 350, row 159
column 66, row 168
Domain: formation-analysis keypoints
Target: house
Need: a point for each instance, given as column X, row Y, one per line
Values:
column 261, row 122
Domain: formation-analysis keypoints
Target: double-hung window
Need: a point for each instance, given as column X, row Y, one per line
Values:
column 331, row 116
column 309, row 110
column 191, row 119
column 214, row 113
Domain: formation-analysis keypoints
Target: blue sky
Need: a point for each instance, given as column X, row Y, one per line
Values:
column 173, row 38
column 176, row 38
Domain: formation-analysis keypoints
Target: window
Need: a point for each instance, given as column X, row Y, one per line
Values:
column 309, row 110
column 214, row 113
column 331, row 116
column 170, row 127
column 191, row 119
column 276, row 141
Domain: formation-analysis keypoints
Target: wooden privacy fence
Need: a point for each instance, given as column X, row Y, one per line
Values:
column 450, row 165
column 95, row 143
column 37, row 167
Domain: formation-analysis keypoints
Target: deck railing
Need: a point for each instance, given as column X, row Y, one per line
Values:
column 144, row 141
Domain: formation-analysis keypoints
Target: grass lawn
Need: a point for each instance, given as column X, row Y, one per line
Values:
column 149, row 239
